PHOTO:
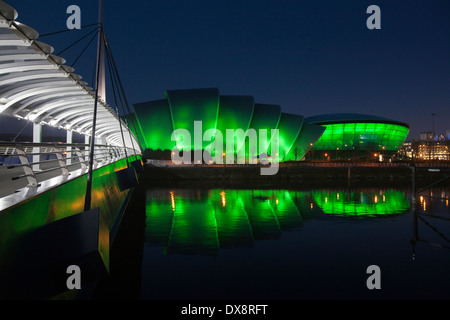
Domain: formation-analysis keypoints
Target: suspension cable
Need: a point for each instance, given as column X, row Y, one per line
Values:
column 122, row 89
column 85, row 48
column 117, row 110
column 66, row 30
column 114, row 78
column 27, row 122
column 70, row 46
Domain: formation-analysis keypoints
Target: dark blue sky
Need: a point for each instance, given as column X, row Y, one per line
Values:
column 310, row 57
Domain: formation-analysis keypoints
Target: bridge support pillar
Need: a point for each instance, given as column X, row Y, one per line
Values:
column 69, row 149
column 86, row 153
column 37, row 138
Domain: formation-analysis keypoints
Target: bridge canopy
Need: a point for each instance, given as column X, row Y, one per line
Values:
column 37, row 86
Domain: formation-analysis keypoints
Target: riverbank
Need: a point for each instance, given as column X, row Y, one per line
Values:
column 296, row 176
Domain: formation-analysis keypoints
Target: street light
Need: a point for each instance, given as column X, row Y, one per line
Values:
column 432, row 142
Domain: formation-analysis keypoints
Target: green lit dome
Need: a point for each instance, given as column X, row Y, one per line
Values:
column 350, row 131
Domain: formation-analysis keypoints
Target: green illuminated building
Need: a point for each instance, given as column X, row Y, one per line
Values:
column 350, row 135
column 335, row 136
column 156, row 120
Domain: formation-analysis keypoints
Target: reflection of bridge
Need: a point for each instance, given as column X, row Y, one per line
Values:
column 201, row 222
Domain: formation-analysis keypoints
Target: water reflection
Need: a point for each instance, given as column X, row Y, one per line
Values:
column 434, row 200
column 186, row 221
column 429, row 208
column 365, row 204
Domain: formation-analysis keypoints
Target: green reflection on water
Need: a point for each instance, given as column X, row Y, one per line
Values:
column 366, row 204
column 203, row 221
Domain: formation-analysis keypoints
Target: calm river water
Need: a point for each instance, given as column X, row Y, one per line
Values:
column 187, row 244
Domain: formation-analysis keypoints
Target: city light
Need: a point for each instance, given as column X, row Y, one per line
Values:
column 224, row 201
column 172, row 199
column 430, row 146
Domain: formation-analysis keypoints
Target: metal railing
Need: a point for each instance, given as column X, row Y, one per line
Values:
column 316, row 164
column 367, row 164
column 39, row 158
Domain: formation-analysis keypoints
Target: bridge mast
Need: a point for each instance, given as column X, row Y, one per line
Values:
column 99, row 93
column 101, row 55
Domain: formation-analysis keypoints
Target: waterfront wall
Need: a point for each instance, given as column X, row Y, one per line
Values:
column 296, row 175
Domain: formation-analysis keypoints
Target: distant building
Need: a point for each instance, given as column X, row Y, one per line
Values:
column 427, row 136
column 427, row 150
column 430, row 146
column 434, row 151
column 406, row 151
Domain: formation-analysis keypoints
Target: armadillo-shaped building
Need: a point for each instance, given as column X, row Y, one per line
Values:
column 180, row 109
